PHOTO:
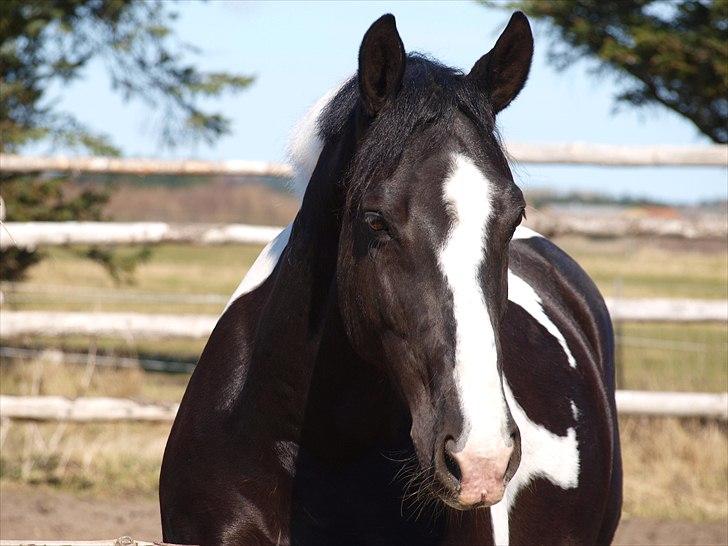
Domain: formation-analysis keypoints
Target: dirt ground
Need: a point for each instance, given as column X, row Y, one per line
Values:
column 43, row 513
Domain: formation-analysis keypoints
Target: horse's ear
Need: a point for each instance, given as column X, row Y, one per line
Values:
column 502, row 72
column 381, row 64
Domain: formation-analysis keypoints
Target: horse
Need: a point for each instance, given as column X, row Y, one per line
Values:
column 404, row 364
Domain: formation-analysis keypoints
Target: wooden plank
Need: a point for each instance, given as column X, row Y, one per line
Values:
column 141, row 167
column 155, row 326
column 121, row 541
column 583, row 153
column 85, row 410
column 574, row 153
column 673, row 404
column 138, row 325
column 37, row 234
column 620, row 225
column 58, row 408
column 667, row 310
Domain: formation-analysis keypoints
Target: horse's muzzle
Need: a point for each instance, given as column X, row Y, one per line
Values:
column 477, row 479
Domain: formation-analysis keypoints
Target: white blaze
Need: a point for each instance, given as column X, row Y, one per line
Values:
column 467, row 194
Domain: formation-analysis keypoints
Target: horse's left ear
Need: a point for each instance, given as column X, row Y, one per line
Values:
column 381, row 64
column 502, row 72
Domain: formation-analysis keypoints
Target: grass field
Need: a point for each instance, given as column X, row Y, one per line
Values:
column 660, row 455
column 673, row 469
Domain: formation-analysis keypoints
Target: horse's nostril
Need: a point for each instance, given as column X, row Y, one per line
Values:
column 452, row 465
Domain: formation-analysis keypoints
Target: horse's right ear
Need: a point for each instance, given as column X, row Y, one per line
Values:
column 381, row 64
column 502, row 72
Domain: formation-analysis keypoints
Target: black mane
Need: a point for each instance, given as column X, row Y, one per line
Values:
column 429, row 97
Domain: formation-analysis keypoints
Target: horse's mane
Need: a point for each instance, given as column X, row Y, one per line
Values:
column 430, row 95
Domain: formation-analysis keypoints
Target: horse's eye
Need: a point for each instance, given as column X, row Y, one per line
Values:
column 375, row 221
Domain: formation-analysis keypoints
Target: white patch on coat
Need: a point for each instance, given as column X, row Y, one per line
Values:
column 543, row 455
column 574, row 411
column 520, row 292
column 523, row 232
column 467, row 194
column 263, row 266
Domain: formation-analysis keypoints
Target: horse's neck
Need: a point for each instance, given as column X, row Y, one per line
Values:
column 301, row 363
column 351, row 405
column 288, row 335
column 304, row 376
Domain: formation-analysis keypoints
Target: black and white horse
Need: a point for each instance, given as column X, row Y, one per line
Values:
column 404, row 365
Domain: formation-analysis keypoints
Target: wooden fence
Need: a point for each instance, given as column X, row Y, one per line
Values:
column 156, row 326
column 35, row 234
column 121, row 541
column 576, row 153
column 102, row 409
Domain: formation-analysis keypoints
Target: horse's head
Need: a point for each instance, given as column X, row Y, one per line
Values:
column 423, row 255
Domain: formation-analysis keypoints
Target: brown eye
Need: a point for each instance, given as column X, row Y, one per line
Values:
column 375, row 221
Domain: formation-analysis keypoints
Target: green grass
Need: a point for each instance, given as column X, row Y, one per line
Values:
column 625, row 268
column 680, row 357
column 642, row 268
column 173, row 270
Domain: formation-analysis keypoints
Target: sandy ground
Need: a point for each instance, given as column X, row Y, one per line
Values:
column 44, row 513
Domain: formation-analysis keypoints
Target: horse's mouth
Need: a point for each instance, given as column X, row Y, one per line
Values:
column 452, row 502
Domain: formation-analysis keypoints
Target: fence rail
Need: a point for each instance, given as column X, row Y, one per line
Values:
column 157, row 326
column 101, row 409
column 575, row 153
column 35, row 234
column 121, row 541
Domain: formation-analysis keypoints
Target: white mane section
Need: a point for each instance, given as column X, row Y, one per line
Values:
column 304, row 150
column 305, row 144
column 544, row 454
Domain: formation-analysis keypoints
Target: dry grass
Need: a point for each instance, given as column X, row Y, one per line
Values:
column 642, row 268
column 117, row 458
column 675, row 469
column 41, row 377
column 216, row 200
column 679, row 357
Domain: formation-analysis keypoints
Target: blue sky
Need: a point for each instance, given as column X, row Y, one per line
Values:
column 298, row 50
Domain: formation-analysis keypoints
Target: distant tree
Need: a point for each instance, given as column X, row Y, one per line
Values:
column 669, row 52
column 47, row 43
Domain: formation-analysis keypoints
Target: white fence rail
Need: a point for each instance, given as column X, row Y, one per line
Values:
column 97, row 409
column 575, row 153
column 667, row 310
column 136, row 325
column 35, row 234
column 157, row 326
column 673, row 404
column 121, row 541
column 83, row 410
